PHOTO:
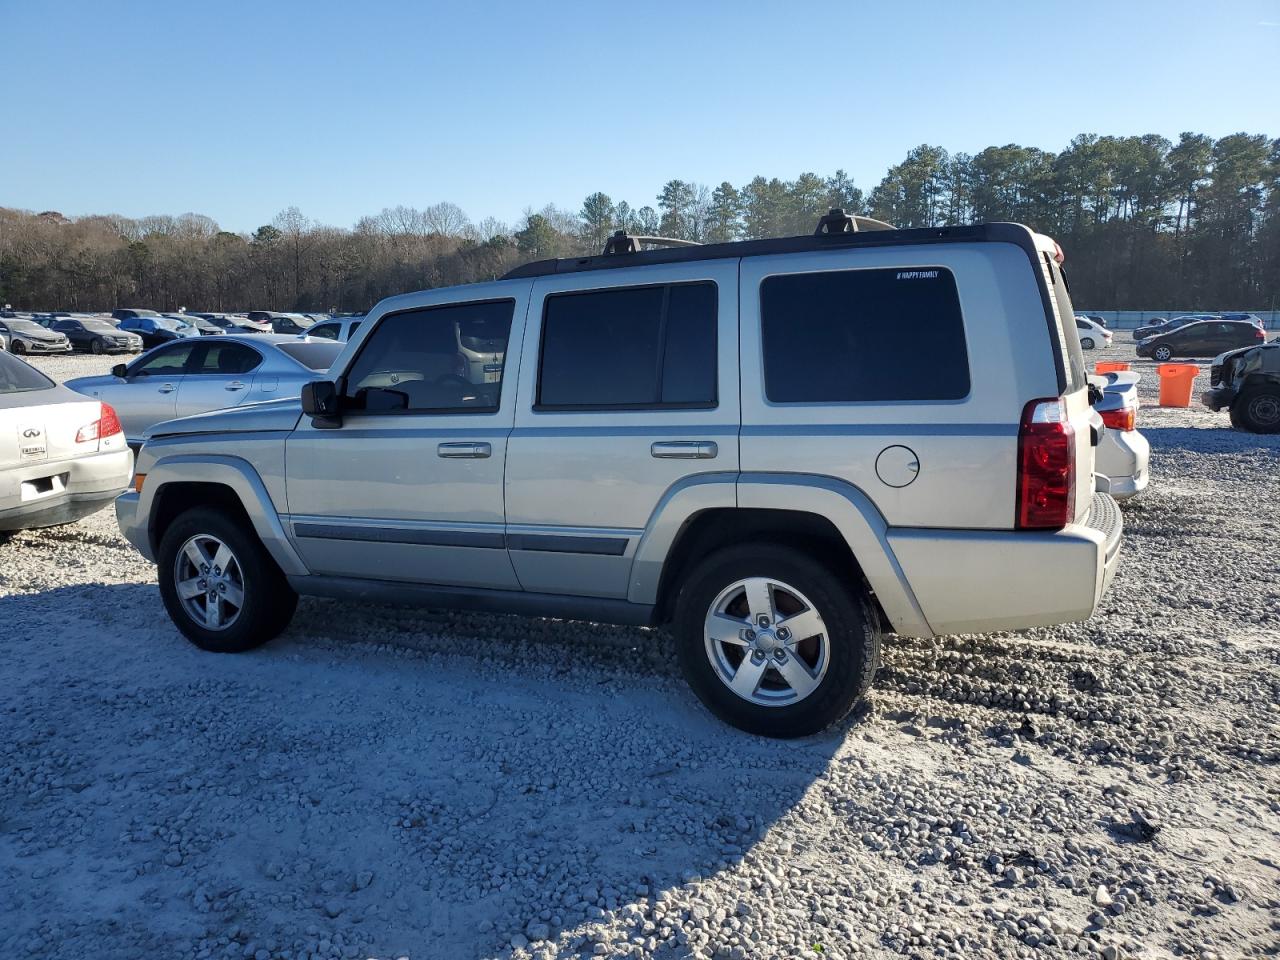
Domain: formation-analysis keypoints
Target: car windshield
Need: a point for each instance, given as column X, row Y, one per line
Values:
column 168, row 323
column 97, row 326
column 19, row 377
column 24, row 326
column 317, row 355
column 482, row 335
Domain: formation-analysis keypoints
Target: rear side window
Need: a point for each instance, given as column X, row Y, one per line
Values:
column 863, row 335
column 19, row 377
column 631, row 347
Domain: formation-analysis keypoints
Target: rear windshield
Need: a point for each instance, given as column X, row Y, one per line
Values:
column 19, row 377
column 1068, row 346
column 314, row 356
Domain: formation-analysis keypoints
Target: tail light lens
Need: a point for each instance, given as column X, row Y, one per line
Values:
column 1258, row 334
column 107, row 425
column 1046, row 466
column 1124, row 419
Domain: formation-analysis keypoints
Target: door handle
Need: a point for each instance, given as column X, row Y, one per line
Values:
column 234, row 385
column 684, row 450
column 464, row 451
column 166, row 388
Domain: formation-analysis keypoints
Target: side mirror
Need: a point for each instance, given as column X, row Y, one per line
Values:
column 120, row 370
column 320, row 401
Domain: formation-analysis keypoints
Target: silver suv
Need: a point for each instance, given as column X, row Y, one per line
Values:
column 781, row 448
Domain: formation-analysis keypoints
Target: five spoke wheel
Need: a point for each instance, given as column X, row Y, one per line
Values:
column 209, row 582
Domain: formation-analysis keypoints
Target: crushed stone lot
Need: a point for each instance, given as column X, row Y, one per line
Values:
column 394, row 783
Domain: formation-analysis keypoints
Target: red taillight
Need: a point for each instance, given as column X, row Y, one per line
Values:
column 1046, row 466
column 1124, row 419
column 1258, row 334
column 107, row 425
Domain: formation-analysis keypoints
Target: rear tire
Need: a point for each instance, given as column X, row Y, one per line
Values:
column 1162, row 353
column 251, row 599
column 1257, row 410
column 1086, row 343
column 793, row 682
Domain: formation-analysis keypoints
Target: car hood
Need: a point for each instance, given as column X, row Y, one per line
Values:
column 269, row 415
column 1272, row 345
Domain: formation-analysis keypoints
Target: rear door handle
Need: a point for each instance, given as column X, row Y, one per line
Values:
column 684, row 450
column 166, row 388
column 464, row 451
column 234, row 385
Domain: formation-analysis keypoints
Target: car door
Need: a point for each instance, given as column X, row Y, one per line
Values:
column 409, row 487
column 628, row 391
column 218, row 374
column 149, row 392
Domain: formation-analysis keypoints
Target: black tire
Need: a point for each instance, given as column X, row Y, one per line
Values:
column 1257, row 410
column 18, row 348
column 95, row 346
column 852, row 629
column 1086, row 343
column 1162, row 353
column 268, row 600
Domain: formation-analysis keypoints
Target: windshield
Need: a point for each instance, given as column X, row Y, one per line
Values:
column 482, row 335
column 97, row 326
column 168, row 323
column 317, row 356
column 24, row 326
column 18, row 377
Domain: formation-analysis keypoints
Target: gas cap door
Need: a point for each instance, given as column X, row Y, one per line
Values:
column 897, row 466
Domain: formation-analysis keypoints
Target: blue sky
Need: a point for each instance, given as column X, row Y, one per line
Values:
column 237, row 110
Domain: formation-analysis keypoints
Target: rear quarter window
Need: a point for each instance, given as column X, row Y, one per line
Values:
column 863, row 335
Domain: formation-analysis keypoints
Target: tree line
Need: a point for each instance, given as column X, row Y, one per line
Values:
column 1145, row 222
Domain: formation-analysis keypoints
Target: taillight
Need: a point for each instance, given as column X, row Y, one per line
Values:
column 1046, row 466
column 1258, row 334
column 107, row 425
column 1124, row 419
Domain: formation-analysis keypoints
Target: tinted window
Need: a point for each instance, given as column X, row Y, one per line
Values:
column 223, row 358
column 18, row 377
column 854, row 335
column 325, row 331
column 630, row 347
column 168, row 361
column 415, row 361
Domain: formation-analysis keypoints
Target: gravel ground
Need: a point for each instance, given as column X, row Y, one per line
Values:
column 389, row 783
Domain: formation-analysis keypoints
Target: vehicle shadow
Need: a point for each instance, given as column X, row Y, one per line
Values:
column 396, row 781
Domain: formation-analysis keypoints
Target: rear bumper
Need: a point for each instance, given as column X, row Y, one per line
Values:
column 1124, row 456
column 88, row 484
column 976, row 581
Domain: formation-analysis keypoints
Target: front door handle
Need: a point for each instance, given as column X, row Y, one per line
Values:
column 234, row 385
column 166, row 388
column 684, row 450
column 464, row 451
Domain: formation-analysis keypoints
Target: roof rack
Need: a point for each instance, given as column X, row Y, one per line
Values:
column 837, row 221
column 623, row 242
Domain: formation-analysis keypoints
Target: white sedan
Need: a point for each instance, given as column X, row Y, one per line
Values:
column 1092, row 335
column 62, row 455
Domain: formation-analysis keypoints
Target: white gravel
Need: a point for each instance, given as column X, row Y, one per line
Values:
column 391, row 783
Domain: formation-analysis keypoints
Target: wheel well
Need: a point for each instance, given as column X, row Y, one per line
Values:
column 173, row 499
column 710, row 530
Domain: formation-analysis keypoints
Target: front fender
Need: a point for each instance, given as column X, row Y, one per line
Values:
column 242, row 479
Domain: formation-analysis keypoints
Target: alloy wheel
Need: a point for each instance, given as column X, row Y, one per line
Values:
column 209, row 582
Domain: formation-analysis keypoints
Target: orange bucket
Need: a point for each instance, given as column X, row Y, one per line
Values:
column 1109, row 366
column 1176, row 383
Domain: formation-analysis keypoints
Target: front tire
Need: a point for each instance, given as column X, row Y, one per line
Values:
column 1257, row 410
column 1086, row 343
column 773, row 642
column 1162, row 354
column 219, row 585
column 95, row 346
column 18, row 348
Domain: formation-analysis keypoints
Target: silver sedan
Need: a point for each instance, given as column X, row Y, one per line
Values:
column 193, row 376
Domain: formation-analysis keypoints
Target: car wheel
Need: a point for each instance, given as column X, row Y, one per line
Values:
column 1257, row 410
column 18, row 347
column 1162, row 353
column 1086, row 343
column 219, row 584
column 96, row 346
column 773, row 642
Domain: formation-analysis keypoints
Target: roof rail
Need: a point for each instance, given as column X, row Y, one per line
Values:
column 623, row 242
column 837, row 221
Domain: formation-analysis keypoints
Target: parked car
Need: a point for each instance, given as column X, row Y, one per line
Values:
column 235, row 323
column 1095, row 317
column 1247, row 383
column 335, row 328
column 670, row 452
column 158, row 330
column 62, row 456
column 1253, row 318
column 1123, row 455
column 195, row 375
column 97, row 336
column 1092, row 336
column 1205, row 338
column 202, row 326
column 294, row 323
column 27, row 336
column 132, row 313
column 1157, row 327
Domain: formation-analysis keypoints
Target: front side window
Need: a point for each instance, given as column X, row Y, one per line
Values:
column 631, row 347
column 418, row 361
column 325, row 331
column 170, row 361
column 863, row 335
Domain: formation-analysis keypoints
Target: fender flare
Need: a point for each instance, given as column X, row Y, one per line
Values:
column 243, row 480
